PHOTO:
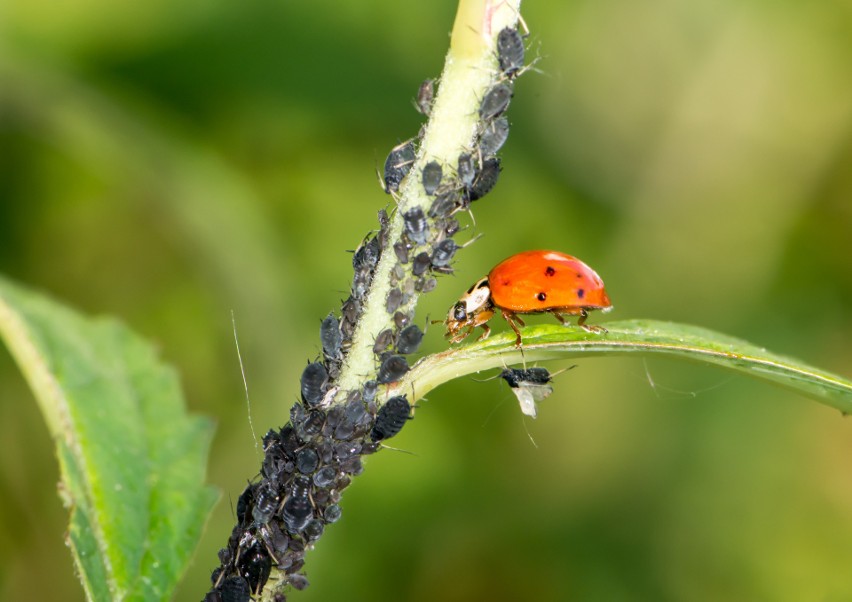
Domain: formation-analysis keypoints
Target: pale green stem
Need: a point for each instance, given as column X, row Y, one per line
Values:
column 470, row 70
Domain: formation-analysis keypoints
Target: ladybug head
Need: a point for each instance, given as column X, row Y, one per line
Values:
column 467, row 310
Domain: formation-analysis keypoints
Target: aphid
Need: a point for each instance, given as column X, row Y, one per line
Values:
column 330, row 337
column 299, row 582
column 510, row 52
column 265, row 504
column 314, row 383
column 529, row 283
column 529, row 386
column 409, row 339
column 443, row 252
column 421, row 263
column 415, row 225
column 486, row 179
column 401, row 320
column 432, row 173
column 425, row 95
column 234, row 589
column 397, row 165
column 384, row 229
column 394, row 300
column 332, row 513
column 495, row 101
column 245, row 501
column 254, row 566
column 367, row 255
column 325, row 476
column 383, row 341
column 307, row 461
column 426, row 285
column 298, row 511
column 314, row 530
column 275, row 540
column 493, row 137
column 466, row 169
column 401, row 250
column 391, row 418
column 445, row 204
column 392, row 369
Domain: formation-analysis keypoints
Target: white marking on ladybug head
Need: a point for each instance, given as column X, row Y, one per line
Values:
column 477, row 296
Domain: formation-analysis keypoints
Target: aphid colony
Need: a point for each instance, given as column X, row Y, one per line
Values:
column 312, row 459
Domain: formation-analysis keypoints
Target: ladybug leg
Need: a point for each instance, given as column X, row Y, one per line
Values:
column 559, row 317
column 513, row 321
column 486, row 331
column 589, row 327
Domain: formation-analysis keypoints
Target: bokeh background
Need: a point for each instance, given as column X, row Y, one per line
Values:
column 167, row 162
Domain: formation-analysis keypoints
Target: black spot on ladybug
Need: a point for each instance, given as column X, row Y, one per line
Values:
column 507, row 282
column 581, row 293
column 549, row 271
column 541, row 296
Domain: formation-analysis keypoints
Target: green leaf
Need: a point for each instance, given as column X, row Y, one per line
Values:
column 132, row 461
column 640, row 337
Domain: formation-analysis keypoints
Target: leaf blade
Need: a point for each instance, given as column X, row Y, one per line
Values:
column 643, row 337
column 132, row 461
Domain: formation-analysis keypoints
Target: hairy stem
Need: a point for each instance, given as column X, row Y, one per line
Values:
column 469, row 70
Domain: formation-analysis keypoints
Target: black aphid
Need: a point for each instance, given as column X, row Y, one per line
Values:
column 254, row 566
column 409, row 339
column 425, row 94
column 496, row 101
column 391, row 418
column 234, row 589
column 265, row 504
column 401, row 251
column 383, row 341
column 416, row 225
column 443, row 252
column 486, row 179
column 466, row 169
column 445, row 204
column 330, row 337
column 421, row 263
column 394, row 300
column 510, row 51
column 298, row 511
column 307, row 460
column 298, row 582
column 530, row 386
column 314, row 382
column 392, row 369
column 493, row 137
column 367, row 255
column 432, row 173
column 245, row 502
column 397, row 165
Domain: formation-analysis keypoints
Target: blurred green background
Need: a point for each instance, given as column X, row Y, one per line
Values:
column 168, row 162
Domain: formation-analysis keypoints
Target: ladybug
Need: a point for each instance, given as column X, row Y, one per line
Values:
column 531, row 282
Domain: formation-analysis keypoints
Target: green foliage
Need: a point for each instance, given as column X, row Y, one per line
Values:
column 132, row 461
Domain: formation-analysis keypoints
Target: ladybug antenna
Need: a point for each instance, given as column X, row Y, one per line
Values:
column 245, row 384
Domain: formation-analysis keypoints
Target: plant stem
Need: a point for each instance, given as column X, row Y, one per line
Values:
column 469, row 70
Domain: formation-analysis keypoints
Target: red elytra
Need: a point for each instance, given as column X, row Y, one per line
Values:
column 531, row 282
